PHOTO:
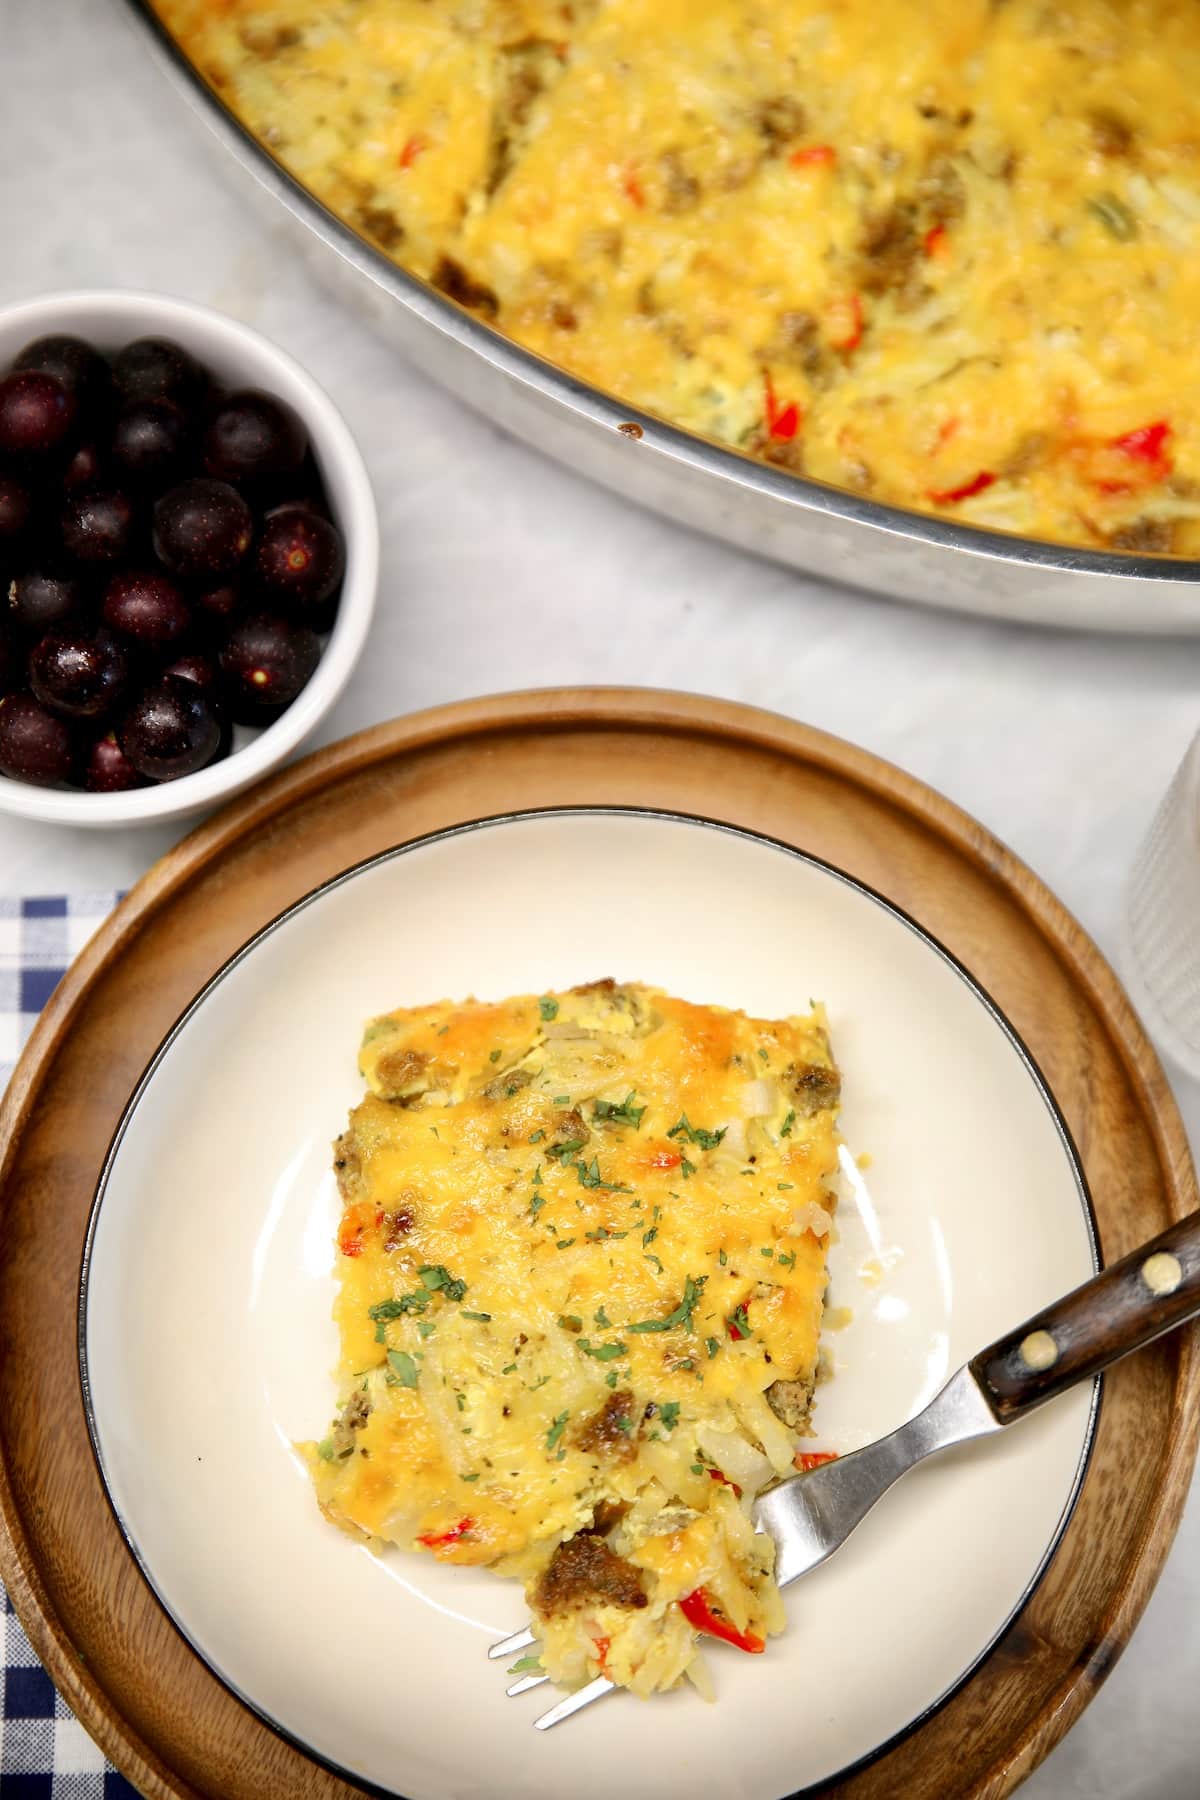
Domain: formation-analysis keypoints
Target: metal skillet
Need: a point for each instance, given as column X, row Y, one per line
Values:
column 805, row 524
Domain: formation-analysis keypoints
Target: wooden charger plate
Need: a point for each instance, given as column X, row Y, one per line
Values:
column 119, row 1663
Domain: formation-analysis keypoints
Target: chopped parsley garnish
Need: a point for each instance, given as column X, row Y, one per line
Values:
column 535, row 1137
column 648, row 1237
column 436, row 1276
column 1115, row 216
column 564, row 1243
column 788, row 1261
column 785, row 1130
column 494, row 1056
column 524, row 1663
column 650, row 1257
column 460, row 1400
column 668, row 1413
column 696, row 1134
column 563, row 1152
column 536, row 1205
column 474, row 1477
column 600, row 1317
column 697, row 1468
column 554, row 1435
column 602, row 1352
column 561, row 1100
column 601, row 1233
column 426, row 1327
column 509, row 1369
column 536, row 1177
column 548, row 1007
column 325, row 1449
column 485, row 1318
column 767, row 1250
column 763, row 1054
column 610, row 1380
column 738, row 1322
column 722, row 1258
column 592, row 1178
column 785, row 1187
column 686, row 1168
column 384, row 1310
column 622, row 1112
column 404, row 1369
column 712, row 1345
column 570, row 1321
column 682, row 1315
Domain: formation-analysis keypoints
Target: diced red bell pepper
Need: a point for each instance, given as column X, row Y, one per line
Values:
column 603, row 1646
column 720, row 1475
column 813, row 156
column 782, row 421
column 1147, row 444
column 698, row 1610
column 415, row 146
column 352, row 1230
column 633, row 187
column 936, row 241
column 807, row 1460
column 437, row 1540
column 976, row 485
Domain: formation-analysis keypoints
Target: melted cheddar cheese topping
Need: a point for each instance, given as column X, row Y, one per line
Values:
column 581, row 1265
column 945, row 252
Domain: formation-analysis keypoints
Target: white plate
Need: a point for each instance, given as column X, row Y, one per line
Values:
column 207, row 1342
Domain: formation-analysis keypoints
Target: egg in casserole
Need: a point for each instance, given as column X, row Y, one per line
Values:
column 945, row 253
column 581, row 1266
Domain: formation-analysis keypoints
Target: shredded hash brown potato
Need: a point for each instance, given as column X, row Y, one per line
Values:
column 581, row 1269
column 942, row 252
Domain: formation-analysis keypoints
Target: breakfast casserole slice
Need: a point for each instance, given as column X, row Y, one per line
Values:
column 581, row 1265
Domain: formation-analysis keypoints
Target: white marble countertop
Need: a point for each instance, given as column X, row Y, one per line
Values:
column 502, row 571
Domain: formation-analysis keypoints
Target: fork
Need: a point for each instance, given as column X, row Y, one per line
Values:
column 1138, row 1299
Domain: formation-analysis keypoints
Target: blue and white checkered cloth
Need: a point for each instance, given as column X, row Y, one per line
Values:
column 45, row 1754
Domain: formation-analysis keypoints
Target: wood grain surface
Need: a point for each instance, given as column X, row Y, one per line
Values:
column 118, row 1661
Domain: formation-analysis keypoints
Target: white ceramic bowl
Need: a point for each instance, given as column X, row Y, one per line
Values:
column 238, row 357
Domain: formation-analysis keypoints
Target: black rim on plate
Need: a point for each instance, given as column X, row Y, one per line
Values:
column 494, row 821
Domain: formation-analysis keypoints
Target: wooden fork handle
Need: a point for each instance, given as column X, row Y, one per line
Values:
column 1119, row 1310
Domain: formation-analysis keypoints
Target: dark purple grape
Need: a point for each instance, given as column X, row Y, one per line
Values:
column 146, row 606
column 299, row 561
column 98, row 525
column 171, row 730
column 150, row 440
column 156, row 368
column 217, row 607
column 36, row 413
column 34, row 745
column 77, row 364
column 107, row 769
column 202, row 528
column 198, row 667
column 266, row 661
column 40, row 600
column 85, row 468
column 16, row 504
column 12, row 663
column 252, row 436
column 80, row 674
